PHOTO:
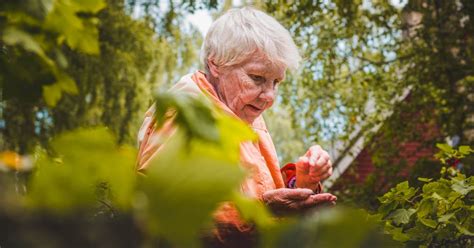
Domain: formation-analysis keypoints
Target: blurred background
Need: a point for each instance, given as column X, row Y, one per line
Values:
column 381, row 83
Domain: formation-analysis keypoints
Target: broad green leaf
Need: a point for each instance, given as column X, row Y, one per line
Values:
column 79, row 33
column 87, row 157
column 445, row 147
column 52, row 94
column 397, row 233
column 439, row 187
column 463, row 230
column 428, row 222
column 13, row 36
column 66, row 83
column 183, row 187
column 438, row 197
column 193, row 115
column 402, row 186
column 90, row 5
column 426, row 180
column 387, row 208
column 402, row 216
column 270, row 228
column 327, row 226
column 446, row 217
column 254, row 210
column 462, row 188
column 465, row 150
column 426, row 207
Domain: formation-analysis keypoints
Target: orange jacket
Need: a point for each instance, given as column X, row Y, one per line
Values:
column 259, row 157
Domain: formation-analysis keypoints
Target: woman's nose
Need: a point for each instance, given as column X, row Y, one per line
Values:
column 268, row 94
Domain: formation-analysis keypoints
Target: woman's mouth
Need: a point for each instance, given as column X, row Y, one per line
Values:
column 254, row 109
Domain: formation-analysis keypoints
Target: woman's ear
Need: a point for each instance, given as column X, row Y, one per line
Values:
column 212, row 68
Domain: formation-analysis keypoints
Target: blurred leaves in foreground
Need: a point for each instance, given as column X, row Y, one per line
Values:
column 86, row 174
column 196, row 170
column 83, row 160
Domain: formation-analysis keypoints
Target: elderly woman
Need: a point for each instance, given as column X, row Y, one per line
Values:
column 246, row 54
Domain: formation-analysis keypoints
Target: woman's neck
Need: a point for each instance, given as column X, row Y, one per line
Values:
column 214, row 82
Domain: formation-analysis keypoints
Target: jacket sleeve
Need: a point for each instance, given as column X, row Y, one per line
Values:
column 151, row 139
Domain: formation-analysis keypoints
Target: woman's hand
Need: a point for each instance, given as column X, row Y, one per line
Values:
column 312, row 168
column 291, row 201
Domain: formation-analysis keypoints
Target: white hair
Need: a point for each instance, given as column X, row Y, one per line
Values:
column 240, row 33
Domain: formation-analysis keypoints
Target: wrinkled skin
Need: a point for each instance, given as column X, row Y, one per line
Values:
column 312, row 168
column 296, row 201
column 248, row 89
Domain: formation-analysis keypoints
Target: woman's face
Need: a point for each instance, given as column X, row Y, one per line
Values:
column 250, row 87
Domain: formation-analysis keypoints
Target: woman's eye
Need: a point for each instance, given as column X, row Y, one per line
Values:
column 257, row 78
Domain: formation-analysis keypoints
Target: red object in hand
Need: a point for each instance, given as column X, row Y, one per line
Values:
column 289, row 173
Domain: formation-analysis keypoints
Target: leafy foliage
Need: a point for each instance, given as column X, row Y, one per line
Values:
column 32, row 38
column 111, row 88
column 68, row 181
column 196, row 162
column 437, row 215
column 400, row 64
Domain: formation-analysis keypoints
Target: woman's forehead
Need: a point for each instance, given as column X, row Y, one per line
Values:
column 258, row 64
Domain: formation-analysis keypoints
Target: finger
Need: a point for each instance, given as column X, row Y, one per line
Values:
column 323, row 197
column 303, row 164
column 314, row 153
column 314, row 149
column 298, row 194
column 317, row 171
column 323, row 159
column 317, row 199
column 322, row 170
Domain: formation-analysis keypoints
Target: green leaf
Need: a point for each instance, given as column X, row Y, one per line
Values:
column 426, row 207
column 386, row 208
column 188, row 184
column 446, row 217
column 428, row 222
column 52, row 94
column 445, row 147
column 13, row 36
column 66, row 83
column 463, row 230
column 465, row 150
column 193, row 115
column 79, row 33
column 426, row 180
column 90, row 5
column 438, row 197
column 88, row 157
column 397, row 233
column 461, row 187
column 402, row 216
column 253, row 210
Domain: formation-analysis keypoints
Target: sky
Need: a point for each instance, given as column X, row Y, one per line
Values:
column 203, row 20
column 200, row 19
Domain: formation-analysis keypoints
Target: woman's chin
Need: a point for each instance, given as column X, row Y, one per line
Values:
column 250, row 117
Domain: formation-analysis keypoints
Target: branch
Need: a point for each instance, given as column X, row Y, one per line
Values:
column 379, row 63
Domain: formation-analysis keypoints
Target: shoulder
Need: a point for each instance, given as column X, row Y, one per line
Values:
column 186, row 85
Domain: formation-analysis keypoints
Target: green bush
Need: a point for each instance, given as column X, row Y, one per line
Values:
column 440, row 213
